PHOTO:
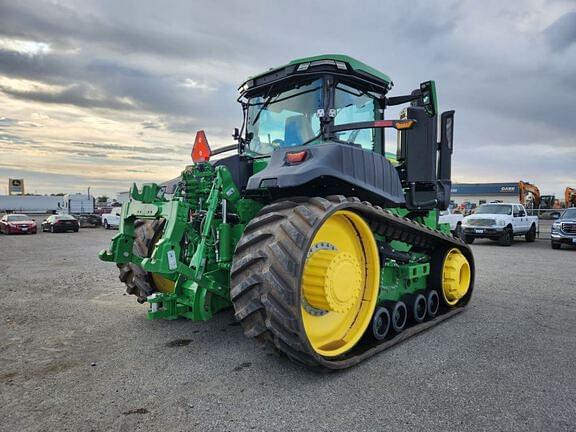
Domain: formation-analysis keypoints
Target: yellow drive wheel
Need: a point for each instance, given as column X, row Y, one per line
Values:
column 339, row 284
column 456, row 277
column 162, row 284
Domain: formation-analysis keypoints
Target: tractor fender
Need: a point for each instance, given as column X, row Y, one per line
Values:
column 369, row 174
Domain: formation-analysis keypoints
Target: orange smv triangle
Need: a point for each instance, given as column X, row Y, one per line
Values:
column 201, row 150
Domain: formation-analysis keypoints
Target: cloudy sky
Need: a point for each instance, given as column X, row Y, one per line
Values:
column 104, row 93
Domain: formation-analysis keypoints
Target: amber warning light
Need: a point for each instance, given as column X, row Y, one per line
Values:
column 201, row 150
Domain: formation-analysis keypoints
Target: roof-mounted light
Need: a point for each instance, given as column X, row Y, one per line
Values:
column 302, row 67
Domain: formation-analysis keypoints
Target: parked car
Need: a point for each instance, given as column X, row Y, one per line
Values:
column 112, row 219
column 501, row 222
column 60, row 223
column 564, row 229
column 454, row 219
column 88, row 220
column 17, row 224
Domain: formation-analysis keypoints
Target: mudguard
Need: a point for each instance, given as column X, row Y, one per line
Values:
column 368, row 174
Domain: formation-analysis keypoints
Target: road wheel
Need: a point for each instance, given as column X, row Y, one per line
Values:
column 451, row 276
column 468, row 239
column 507, row 237
column 106, row 226
column 381, row 323
column 305, row 278
column 531, row 234
column 399, row 316
column 52, row 229
column 555, row 245
column 432, row 303
column 139, row 282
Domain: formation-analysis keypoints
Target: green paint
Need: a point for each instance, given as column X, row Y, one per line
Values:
column 353, row 63
column 197, row 244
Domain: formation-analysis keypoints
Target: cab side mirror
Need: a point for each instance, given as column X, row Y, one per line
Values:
column 428, row 97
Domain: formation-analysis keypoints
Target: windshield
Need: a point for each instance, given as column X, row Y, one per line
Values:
column 286, row 118
column 569, row 214
column 353, row 106
column 18, row 218
column 65, row 217
column 494, row 209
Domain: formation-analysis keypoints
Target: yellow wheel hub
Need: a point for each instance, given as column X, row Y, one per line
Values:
column 339, row 284
column 332, row 280
column 455, row 277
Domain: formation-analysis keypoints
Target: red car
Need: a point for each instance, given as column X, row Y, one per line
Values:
column 17, row 224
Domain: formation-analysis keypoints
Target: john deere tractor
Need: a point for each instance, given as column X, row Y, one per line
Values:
column 326, row 244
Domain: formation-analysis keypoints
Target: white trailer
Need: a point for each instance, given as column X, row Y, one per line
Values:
column 30, row 204
column 78, row 204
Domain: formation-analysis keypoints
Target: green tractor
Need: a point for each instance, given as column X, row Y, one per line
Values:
column 326, row 245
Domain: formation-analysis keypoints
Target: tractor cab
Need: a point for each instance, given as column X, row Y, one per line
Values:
column 334, row 99
column 300, row 103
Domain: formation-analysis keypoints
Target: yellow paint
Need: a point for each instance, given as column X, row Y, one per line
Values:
column 342, row 284
column 162, row 284
column 455, row 277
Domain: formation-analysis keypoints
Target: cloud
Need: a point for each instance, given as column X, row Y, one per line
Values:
column 14, row 139
column 81, row 95
column 136, row 83
column 562, row 33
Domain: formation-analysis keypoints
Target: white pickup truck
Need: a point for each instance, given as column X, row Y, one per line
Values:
column 112, row 219
column 501, row 222
column 454, row 219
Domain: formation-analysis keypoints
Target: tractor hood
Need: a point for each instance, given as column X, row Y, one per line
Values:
column 331, row 168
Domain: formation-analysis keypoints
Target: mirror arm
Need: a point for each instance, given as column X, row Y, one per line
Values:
column 397, row 100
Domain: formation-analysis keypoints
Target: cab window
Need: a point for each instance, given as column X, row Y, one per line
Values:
column 352, row 106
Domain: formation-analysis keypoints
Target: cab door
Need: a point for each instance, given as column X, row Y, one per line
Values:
column 522, row 219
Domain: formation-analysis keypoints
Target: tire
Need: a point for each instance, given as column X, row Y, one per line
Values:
column 76, row 230
column 507, row 237
column 381, row 323
column 432, row 303
column 399, row 316
column 106, row 226
column 531, row 234
column 52, row 229
column 555, row 245
column 468, row 239
column 266, row 274
column 419, row 308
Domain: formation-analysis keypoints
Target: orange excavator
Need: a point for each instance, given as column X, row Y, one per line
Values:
column 570, row 197
column 530, row 197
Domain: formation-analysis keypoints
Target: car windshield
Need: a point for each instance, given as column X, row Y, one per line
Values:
column 18, row 218
column 65, row 217
column 285, row 118
column 569, row 214
column 494, row 209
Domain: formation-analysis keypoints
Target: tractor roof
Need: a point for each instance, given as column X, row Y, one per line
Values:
column 341, row 63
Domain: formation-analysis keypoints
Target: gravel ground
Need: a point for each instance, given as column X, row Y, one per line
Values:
column 76, row 354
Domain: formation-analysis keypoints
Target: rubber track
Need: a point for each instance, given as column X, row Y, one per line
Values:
column 268, row 264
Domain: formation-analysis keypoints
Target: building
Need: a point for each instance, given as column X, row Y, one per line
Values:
column 479, row 193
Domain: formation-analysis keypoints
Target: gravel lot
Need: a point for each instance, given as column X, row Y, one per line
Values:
column 76, row 354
